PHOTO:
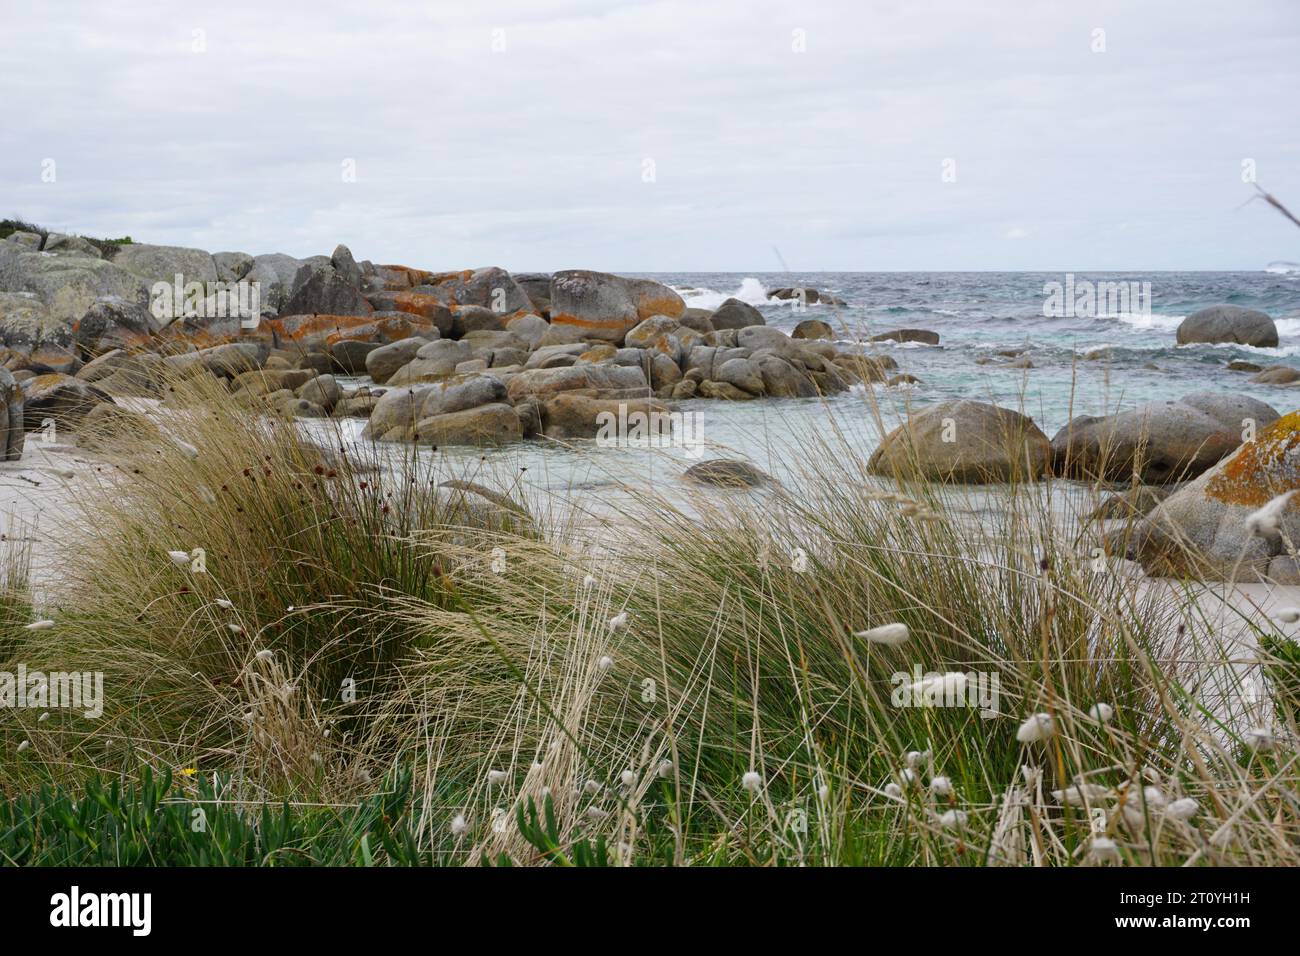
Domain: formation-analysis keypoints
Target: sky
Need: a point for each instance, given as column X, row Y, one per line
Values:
column 665, row 135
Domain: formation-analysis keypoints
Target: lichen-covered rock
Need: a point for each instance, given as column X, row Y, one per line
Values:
column 114, row 324
column 1200, row 531
column 966, row 442
column 602, row 306
column 67, row 285
column 164, row 263
column 62, row 398
column 489, row 288
column 324, row 290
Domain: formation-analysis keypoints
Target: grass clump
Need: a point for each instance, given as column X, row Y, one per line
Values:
column 705, row 683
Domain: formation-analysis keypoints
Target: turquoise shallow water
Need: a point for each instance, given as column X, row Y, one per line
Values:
column 976, row 316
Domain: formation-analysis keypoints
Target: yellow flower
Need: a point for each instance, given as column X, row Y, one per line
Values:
column 189, row 771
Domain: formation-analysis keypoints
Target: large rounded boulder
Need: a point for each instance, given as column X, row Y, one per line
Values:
column 965, row 442
column 1159, row 442
column 601, row 306
column 1228, row 323
column 1203, row 531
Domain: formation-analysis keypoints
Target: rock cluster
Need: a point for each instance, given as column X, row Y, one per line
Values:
column 477, row 356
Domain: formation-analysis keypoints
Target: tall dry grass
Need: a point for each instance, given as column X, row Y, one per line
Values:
column 695, row 690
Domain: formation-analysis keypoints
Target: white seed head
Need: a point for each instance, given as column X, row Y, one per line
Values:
column 24, row 745
column 496, row 777
column 940, row 786
column 1101, row 713
column 618, row 621
column 893, row 790
column 916, row 759
column 224, row 604
column 939, row 687
column 1183, row 809
column 823, row 792
column 1103, row 850
column 1038, row 727
column 890, row 634
column 596, row 813
column 1257, row 738
column 665, row 769
column 237, row 629
column 953, row 819
column 592, row 787
column 605, row 664
column 752, row 781
column 44, row 625
column 458, row 825
column 588, row 582
column 627, row 778
column 1080, row 794
column 179, row 558
column 45, row 716
column 265, row 655
column 908, row 776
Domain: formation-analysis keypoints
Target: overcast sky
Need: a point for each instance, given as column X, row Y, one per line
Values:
column 683, row 135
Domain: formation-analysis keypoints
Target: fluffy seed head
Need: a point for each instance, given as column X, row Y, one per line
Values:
column 889, row 634
column 1038, row 727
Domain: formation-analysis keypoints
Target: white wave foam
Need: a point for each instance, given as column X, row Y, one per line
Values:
column 1283, row 268
column 750, row 291
column 1147, row 320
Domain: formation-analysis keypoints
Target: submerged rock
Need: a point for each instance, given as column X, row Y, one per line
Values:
column 728, row 473
column 924, row 336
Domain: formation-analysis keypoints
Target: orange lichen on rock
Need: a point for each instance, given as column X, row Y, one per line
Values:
column 1261, row 469
column 648, row 304
column 566, row 319
column 413, row 276
column 390, row 329
column 295, row 328
column 420, row 303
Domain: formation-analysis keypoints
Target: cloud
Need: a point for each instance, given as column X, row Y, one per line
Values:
column 517, row 133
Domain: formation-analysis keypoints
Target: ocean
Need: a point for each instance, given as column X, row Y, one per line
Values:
column 1081, row 364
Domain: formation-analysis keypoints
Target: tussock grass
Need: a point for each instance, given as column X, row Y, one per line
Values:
column 691, row 690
